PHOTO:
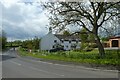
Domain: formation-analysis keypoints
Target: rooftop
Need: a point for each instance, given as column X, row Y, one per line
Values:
column 113, row 37
column 66, row 37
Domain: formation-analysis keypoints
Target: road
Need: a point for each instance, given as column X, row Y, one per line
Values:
column 14, row 66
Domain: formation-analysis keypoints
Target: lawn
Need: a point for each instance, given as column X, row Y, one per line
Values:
column 91, row 57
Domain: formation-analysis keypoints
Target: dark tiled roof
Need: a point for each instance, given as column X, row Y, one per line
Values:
column 70, row 37
column 114, row 37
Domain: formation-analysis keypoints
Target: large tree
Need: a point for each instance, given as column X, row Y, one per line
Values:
column 90, row 15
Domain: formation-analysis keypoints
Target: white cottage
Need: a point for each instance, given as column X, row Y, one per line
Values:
column 50, row 41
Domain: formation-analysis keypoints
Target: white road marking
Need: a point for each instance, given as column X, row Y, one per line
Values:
column 82, row 67
column 15, row 63
column 75, row 66
column 50, row 63
column 55, row 64
column 4, row 54
column 37, row 69
column 45, row 71
column 45, row 62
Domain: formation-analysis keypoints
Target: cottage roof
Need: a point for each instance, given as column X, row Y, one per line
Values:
column 114, row 37
column 66, row 37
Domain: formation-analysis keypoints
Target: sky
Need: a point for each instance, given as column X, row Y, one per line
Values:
column 23, row 19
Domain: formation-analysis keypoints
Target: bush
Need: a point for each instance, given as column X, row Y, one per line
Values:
column 77, row 50
column 93, row 45
column 84, row 45
column 88, row 46
column 87, row 49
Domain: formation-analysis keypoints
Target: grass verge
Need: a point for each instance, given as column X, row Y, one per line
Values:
column 92, row 57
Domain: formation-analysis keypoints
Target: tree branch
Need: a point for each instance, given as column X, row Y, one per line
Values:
column 84, row 26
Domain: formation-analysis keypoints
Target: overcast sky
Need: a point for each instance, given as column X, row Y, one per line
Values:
column 23, row 20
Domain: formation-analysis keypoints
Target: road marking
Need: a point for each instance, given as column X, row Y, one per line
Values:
column 3, row 54
column 45, row 62
column 82, row 67
column 46, row 71
column 75, row 66
column 55, row 64
column 15, row 63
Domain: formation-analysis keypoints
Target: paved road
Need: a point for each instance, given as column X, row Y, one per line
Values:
column 14, row 66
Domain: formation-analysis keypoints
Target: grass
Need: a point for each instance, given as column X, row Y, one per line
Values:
column 91, row 57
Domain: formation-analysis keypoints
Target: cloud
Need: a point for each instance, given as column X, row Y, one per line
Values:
column 22, row 21
column 12, row 14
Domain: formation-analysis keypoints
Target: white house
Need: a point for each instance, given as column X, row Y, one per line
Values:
column 50, row 41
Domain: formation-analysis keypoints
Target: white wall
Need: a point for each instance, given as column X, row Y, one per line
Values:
column 47, row 41
column 78, row 45
column 66, row 43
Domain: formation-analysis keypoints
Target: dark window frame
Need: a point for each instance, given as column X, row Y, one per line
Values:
column 77, row 41
column 62, row 41
column 53, row 46
column 69, row 41
column 55, row 41
column 66, row 46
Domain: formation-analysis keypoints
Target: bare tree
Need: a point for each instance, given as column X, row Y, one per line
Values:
column 90, row 15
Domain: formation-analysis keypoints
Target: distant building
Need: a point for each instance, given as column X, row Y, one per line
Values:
column 114, row 41
column 51, row 41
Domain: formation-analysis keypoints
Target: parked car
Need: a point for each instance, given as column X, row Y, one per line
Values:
column 57, row 49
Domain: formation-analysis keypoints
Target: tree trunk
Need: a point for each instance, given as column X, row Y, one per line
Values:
column 100, row 47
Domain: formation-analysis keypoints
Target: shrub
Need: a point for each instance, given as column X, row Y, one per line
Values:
column 93, row 45
column 77, row 50
column 87, row 49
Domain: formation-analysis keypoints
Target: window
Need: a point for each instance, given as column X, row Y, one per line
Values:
column 55, row 41
column 62, row 41
column 69, row 41
column 76, row 41
column 66, row 46
column 115, row 43
column 53, row 46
